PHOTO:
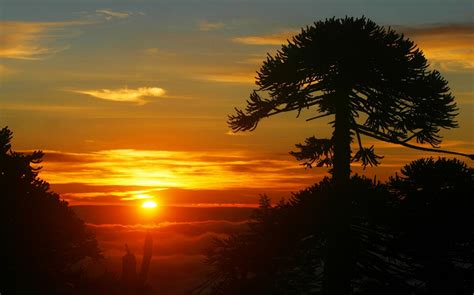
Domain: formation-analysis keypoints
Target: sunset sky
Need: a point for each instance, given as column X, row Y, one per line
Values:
column 130, row 98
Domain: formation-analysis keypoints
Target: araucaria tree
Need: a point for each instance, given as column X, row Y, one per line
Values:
column 376, row 83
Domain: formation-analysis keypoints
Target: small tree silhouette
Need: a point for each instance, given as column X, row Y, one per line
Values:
column 375, row 83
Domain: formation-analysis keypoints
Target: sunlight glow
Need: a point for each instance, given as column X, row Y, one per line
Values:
column 137, row 197
column 149, row 205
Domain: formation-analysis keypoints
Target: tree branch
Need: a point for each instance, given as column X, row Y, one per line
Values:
column 317, row 117
column 383, row 137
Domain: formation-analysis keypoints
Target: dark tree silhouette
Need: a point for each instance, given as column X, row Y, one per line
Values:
column 41, row 236
column 412, row 236
column 282, row 250
column 375, row 83
column 436, row 210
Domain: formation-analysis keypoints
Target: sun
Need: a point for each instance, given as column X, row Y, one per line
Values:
column 149, row 204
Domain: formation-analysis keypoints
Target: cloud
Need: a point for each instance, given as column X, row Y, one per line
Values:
column 210, row 26
column 232, row 133
column 33, row 40
column 239, row 78
column 254, row 59
column 178, row 247
column 109, row 14
column 193, row 228
column 39, row 40
column 269, row 39
column 137, row 95
column 161, row 173
column 449, row 47
column 170, row 238
column 157, row 52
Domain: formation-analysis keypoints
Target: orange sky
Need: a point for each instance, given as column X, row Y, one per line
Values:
column 132, row 98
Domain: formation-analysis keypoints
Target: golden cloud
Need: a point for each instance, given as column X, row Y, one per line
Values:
column 270, row 39
column 176, row 169
column 241, row 78
column 192, row 177
column 449, row 47
column 137, row 95
column 210, row 26
column 32, row 40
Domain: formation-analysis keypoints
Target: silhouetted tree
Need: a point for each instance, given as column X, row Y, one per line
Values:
column 282, row 250
column 435, row 217
column 410, row 237
column 41, row 236
column 375, row 83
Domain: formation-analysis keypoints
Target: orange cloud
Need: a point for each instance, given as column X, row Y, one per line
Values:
column 449, row 47
column 146, row 172
column 240, row 78
column 225, row 178
column 33, row 40
column 179, row 246
column 137, row 95
column 269, row 39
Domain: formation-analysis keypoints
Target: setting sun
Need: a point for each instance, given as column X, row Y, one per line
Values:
column 149, row 204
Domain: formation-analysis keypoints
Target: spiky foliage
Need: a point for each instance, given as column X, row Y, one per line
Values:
column 392, row 94
column 412, row 236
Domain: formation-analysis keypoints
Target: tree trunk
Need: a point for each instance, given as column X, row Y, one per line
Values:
column 147, row 254
column 338, row 264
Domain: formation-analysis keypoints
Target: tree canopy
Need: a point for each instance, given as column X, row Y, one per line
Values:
column 383, row 77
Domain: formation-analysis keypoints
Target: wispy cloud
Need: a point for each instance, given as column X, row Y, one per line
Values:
column 449, row 47
column 232, row 133
column 278, row 38
column 184, row 177
column 33, row 40
column 149, row 172
column 157, row 52
column 137, row 95
column 210, row 26
column 229, row 78
column 109, row 14
column 39, row 40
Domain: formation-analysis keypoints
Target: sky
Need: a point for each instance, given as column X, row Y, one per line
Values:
column 129, row 99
